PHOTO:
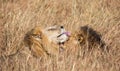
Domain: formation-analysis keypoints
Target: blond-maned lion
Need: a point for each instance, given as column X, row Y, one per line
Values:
column 39, row 44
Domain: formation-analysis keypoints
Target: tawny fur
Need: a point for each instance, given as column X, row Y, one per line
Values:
column 87, row 37
column 39, row 44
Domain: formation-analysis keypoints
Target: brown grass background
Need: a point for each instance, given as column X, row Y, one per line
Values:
column 17, row 17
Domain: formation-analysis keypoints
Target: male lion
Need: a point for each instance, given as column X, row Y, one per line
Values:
column 86, row 36
column 39, row 44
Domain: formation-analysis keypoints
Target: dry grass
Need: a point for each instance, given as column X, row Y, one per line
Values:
column 17, row 17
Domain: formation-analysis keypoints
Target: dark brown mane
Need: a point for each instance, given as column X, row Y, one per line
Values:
column 90, row 32
column 92, row 36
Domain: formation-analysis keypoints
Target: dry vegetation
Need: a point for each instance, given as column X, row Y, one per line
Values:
column 17, row 17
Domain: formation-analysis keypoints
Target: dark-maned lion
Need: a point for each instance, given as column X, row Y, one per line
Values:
column 87, row 36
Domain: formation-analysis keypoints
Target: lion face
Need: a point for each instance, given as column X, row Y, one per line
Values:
column 77, row 38
column 39, row 43
column 88, row 37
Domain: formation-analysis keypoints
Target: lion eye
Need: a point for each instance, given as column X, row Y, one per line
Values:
column 37, row 36
column 80, row 39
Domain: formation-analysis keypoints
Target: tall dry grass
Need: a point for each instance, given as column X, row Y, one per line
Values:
column 17, row 17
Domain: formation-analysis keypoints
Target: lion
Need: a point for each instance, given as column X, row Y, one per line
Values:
column 39, row 43
column 86, row 36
